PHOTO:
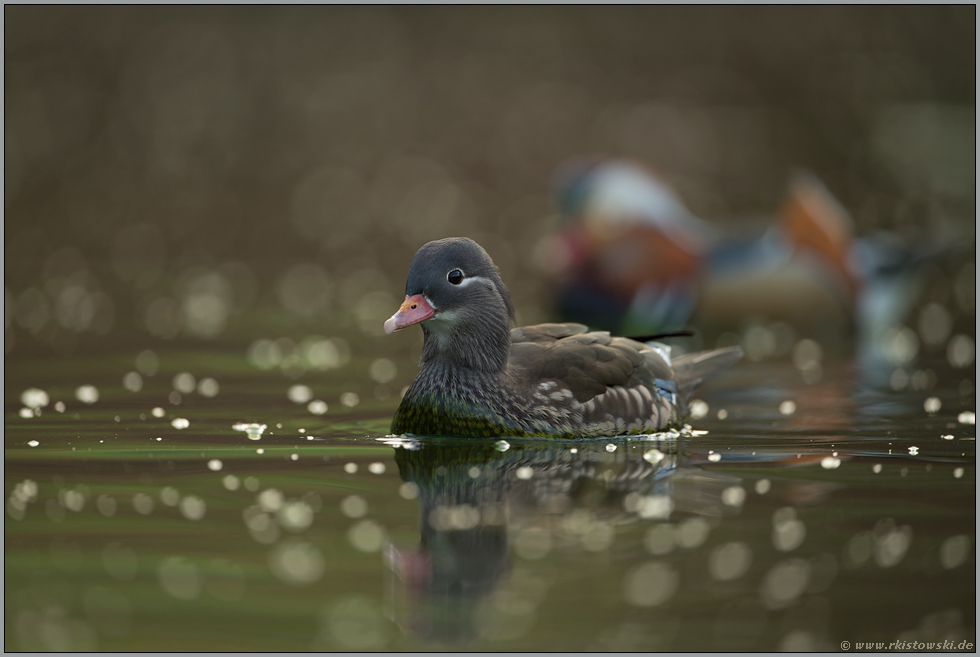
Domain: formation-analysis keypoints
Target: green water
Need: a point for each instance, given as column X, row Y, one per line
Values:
column 846, row 516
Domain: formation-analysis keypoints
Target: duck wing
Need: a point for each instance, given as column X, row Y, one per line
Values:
column 588, row 363
column 589, row 378
column 606, row 383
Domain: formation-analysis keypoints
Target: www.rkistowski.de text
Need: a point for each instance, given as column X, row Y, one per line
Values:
column 908, row 645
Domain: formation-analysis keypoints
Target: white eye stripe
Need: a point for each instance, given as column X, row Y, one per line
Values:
column 470, row 279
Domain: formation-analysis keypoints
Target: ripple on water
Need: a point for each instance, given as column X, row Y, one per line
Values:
column 207, row 387
column 192, row 507
column 295, row 515
column 638, row 510
column 260, row 525
column 87, row 394
column 408, row 491
column 784, row 583
column 184, row 383
column 692, row 532
column 733, row 496
column 147, row 362
column 729, row 561
column 52, row 630
column 354, row 506
column 170, row 496
column 299, row 394
column 891, row 543
column 34, row 398
column 366, row 536
column 788, row 532
column 106, row 504
column 253, row 430
column 180, row 578
column 296, row 562
column 650, row 584
column 271, row 499
column 143, row 503
column 954, row 551
column 132, row 381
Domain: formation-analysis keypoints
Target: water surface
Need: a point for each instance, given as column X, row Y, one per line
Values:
column 845, row 515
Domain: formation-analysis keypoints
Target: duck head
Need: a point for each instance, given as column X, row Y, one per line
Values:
column 455, row 292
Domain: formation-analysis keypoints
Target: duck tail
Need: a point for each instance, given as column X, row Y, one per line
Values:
column 690, row 370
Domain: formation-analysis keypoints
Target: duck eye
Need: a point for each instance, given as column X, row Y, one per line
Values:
column 455, row 277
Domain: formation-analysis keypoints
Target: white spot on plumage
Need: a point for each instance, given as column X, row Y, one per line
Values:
column 662, row 350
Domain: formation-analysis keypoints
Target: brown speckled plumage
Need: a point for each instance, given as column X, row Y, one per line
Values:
column 549, row 380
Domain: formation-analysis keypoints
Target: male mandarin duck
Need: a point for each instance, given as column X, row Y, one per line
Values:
column 480, row 378
column 630, row 256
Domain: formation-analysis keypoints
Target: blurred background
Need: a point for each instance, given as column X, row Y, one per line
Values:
column 261, row 177
column 228, row 197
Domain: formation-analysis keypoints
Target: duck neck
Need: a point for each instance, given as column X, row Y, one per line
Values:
column 482, row 349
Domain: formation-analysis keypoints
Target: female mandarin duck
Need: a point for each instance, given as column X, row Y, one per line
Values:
column 480, row 379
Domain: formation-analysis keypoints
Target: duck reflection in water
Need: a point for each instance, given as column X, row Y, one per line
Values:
column 478, row 504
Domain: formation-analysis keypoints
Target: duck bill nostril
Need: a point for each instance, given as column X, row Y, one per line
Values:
column 415, row 309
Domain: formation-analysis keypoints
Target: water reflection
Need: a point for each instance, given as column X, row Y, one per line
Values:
column 758, row 530
column 484, row 512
